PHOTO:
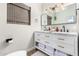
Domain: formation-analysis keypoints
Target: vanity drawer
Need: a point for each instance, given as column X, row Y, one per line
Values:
column 66, row 39
column 65, row 48
column 47, row 36
column 39, row 35
column 43, row 36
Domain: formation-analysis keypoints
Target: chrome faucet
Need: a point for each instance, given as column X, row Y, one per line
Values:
column 63, row 28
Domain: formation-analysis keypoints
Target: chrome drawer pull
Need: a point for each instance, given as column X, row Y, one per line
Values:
column 60, row 46
column 38, row 39
column 60, row 39
column 38, row 34
column 46, row 42
column 46, row 36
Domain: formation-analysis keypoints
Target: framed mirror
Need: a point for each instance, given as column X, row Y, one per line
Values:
column 66, row 16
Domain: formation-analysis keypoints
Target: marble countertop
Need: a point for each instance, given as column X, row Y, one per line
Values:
column 70, row 33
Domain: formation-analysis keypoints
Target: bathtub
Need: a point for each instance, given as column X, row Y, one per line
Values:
column 17, row 53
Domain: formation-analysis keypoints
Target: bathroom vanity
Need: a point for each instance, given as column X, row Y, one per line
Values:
column 49, row 42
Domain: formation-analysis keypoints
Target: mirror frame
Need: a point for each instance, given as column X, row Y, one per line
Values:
column 62, row 23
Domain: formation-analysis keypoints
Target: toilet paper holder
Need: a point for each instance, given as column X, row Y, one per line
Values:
column 8, row 40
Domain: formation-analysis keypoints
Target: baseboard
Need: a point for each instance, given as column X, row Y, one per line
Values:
column 31, row 51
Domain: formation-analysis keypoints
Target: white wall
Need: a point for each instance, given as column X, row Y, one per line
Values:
column 21, row 34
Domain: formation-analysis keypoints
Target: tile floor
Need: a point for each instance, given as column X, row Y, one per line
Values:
column 38, row 53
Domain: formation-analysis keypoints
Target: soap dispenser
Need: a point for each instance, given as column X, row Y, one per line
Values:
column 57, row 29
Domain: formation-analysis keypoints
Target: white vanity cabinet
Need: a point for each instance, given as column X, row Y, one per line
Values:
column 65, row 42
column 44, row 42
